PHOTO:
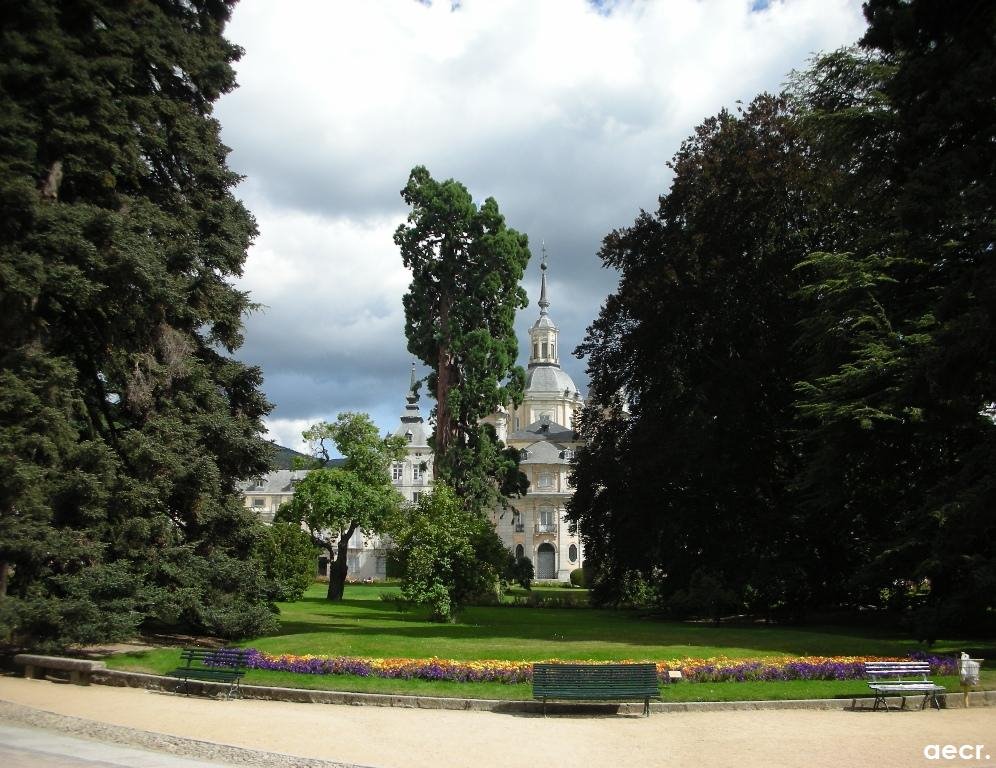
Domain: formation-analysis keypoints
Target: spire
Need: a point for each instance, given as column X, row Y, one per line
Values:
column 544, row 303
column 412, row 396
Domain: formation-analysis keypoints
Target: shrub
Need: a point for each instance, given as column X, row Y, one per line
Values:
column 579, row 578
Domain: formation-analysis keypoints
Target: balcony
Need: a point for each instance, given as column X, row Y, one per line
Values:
column 520, row 527
column 546, row 527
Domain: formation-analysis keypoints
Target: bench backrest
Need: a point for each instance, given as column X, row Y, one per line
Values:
column 215, row 657
column 618, row 678
column 897, row 669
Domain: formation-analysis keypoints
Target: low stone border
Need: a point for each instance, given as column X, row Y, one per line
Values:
column 157, row 742
column 953, row 699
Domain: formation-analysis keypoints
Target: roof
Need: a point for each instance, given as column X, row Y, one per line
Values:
column 538, row 430
column 549, row 378
column 545, row 452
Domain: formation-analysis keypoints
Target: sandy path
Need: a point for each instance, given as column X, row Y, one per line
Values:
column 412, row 738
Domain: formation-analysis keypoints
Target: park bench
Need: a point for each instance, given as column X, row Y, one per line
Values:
column 218, row 665
column 79, row 669
column 596, row 682
column 902, row 678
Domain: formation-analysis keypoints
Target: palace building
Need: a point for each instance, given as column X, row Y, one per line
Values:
column 541, row 429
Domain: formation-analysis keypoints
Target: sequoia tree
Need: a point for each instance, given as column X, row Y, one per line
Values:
column 125, row 422
column 459, row 320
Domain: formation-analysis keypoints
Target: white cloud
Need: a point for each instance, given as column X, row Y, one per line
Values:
column 565, row 113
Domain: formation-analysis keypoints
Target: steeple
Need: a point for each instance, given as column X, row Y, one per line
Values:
column 543, row 334
column 544, row 303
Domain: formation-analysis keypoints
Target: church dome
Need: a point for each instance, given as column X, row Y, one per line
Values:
column 549, row 378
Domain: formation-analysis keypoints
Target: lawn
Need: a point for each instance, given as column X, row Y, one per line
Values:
column 365, row 625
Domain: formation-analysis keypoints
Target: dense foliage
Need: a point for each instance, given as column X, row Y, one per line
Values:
column 795, row 377
column 459, row 320
column 334, row 502
column 288, row 555
column 124, row 421
column 691, row 474
column 447, row 555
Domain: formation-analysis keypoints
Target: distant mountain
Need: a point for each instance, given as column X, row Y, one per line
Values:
column 283, row 457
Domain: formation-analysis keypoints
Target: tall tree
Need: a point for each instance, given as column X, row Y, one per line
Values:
column 687, row 474
column 904, row 305
column 124, row 421
column 334, row 502
column 459, row 320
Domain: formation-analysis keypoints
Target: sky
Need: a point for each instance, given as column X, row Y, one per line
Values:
column 565, row 111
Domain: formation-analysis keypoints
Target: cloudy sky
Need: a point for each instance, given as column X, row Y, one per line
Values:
column 565, row 111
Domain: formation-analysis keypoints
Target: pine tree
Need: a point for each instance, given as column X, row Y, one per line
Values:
column 124, row 419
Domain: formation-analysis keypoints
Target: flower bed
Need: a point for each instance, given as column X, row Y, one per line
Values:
column 717, row 669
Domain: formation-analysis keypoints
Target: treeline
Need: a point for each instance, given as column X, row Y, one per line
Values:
column 794, row 381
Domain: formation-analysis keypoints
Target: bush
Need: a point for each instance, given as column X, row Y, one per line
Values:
column 579, row 578
column 447, row 556
column 287, row 555
column 519, row 571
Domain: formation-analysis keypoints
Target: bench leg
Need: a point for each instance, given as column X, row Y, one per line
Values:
column 31, row 672
column 646, row 707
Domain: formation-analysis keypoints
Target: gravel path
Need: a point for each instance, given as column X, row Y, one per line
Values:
column 250, row 732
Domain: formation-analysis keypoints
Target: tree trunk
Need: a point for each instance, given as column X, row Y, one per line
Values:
column 340, row 567
column 443, row 418
column 4, row 572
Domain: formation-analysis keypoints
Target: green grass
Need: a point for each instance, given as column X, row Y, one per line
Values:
column 365, row 625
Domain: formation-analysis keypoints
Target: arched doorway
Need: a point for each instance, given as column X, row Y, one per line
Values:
column 519, row 552
column 546, row 562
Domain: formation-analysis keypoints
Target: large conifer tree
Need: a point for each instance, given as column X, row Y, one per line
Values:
column 124, row 420
column 460, row 308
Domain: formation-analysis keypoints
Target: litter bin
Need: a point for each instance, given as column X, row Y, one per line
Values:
column 968, row 673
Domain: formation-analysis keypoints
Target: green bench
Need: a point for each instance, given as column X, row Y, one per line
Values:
column 218, row 665
column 596, row 682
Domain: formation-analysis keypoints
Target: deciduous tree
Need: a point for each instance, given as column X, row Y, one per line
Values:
column 333, row 503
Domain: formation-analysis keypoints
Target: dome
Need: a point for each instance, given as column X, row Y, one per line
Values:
column 549, row 378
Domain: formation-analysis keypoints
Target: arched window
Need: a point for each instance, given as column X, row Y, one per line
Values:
column 519, row 552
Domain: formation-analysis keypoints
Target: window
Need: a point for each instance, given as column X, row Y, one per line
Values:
column 397, row 471
column 416, row 497
column 417, row 472
column 381, row 566
column 523, row 454
column 568, row 454
column 353, row 563
column 535, row 349
column 545, row 349
column 547, row 520
column 545, row 480
column 258, row 503
column 572, row 553
column 553, row 349
column 409, row 436
column 519, row 552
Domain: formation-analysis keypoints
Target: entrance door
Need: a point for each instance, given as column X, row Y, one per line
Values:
column 546, row 562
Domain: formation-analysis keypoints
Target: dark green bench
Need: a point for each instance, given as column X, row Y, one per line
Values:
column 596, row 682
column 218, row 665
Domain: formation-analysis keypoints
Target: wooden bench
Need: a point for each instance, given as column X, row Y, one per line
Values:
column 596, row 682
column 902, row 678
column 79, row 669
column 218, row 665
